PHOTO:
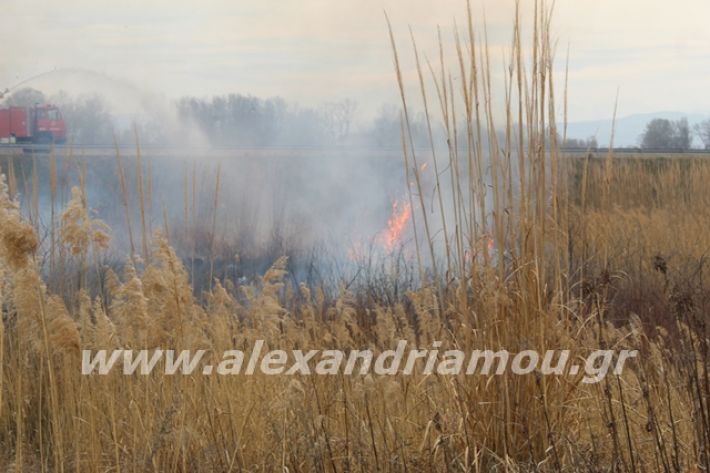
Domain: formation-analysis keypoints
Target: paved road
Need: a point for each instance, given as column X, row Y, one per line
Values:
column 304, row 152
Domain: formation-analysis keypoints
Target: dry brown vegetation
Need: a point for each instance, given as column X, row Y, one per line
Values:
column 589, row 254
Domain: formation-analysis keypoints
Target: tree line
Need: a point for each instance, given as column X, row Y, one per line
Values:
column 237, row 120
column 232, row 120
column 661, row 133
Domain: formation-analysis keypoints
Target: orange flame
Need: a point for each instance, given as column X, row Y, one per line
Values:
column 396, row 225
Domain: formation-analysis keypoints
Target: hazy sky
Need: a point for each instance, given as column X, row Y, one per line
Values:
column 655, row 51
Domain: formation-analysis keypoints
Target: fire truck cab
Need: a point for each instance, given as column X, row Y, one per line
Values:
column 48, row 125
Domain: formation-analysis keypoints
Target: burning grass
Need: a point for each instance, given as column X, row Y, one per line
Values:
column 585, row 255
column 396, row 225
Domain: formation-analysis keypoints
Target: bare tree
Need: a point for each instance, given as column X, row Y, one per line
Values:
column 702, row 129
column 338, row 118
column 661, row 133
column 683, row 135
column 25, row 97
column 88, row 118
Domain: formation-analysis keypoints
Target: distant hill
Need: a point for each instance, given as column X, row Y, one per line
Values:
column 628, row 128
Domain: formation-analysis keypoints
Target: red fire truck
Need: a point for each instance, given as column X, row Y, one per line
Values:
column 41, row 124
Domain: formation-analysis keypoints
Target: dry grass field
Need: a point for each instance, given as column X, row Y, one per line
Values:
column 524, row 249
